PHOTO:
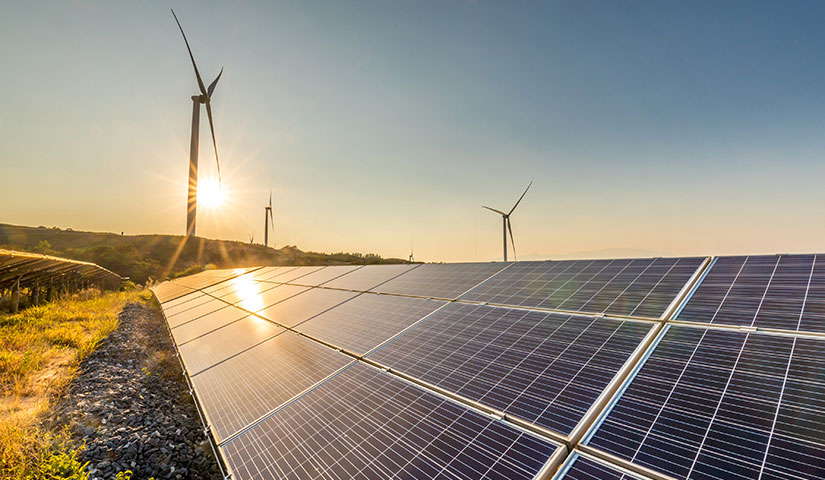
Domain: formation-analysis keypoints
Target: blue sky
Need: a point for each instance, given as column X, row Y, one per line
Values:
column 651, row 127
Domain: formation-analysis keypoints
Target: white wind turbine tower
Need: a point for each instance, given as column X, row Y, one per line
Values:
column 505, row 217
column 203, row 97
column 267, row 220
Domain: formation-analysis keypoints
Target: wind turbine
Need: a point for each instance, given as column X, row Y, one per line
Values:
column 203, row 97
column 267, row 219
column 505, row 217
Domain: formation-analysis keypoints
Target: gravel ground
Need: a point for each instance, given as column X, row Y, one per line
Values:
column 130, row 405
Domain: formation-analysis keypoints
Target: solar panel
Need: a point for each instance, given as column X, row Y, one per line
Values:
column 325, row 274
column 257, row 302
column 542, row 367
column 368, row 320
column 365, row 424
column 269, row 272
column 579, row 467
column 209, row 277
column 188, row 297
column 440, row 280
column 772, row 291
column 224, row 342
column 167, row 292
column 238, row 391
column 633, row 287
column 306, row 305
column 193, row 300
column 206, row 324
column 369, row 277
column 723, row 404
column 186, row 316
column 291, row 275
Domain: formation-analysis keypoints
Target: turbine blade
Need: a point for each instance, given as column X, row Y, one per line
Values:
column 494, row 210
column 519, row 198
column 512, row 241
column 197, row 74
column 270, row 198
column 214, row 143
column 211, row 87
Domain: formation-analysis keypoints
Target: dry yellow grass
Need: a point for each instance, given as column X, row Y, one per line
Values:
column 40, row 350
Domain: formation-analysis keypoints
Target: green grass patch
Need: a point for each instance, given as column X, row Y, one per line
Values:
column 40, row 351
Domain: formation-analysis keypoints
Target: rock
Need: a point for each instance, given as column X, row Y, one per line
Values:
column 129, row 420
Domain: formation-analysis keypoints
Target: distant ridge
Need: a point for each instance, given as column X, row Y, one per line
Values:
column 141, row 257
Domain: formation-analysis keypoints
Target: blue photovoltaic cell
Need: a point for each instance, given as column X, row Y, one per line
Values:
column 238, row 391
column 636, row 287
column 440, row 280
column 366, row 424
column 368, row 320
column 584, row 468
column 720, row 404
column 771, row 291
column 546, row 368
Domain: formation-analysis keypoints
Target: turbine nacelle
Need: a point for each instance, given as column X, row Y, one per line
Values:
column 507, row 225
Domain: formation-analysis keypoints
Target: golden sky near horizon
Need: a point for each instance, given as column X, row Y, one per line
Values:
column 647, row 130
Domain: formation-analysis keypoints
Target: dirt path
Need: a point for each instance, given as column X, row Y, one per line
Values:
column 130, row 404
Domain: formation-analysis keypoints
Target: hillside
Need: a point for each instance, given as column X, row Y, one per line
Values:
column 141, row 257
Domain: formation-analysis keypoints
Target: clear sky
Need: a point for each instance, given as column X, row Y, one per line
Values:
column 655, row 127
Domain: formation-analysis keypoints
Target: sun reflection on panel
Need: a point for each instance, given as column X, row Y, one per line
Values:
column 249, row 291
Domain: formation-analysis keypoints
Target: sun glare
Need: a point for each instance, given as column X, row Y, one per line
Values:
column 210, row 193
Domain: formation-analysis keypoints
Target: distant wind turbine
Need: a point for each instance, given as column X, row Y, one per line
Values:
column 507, row 225
column 267, row 219
column 203, row 97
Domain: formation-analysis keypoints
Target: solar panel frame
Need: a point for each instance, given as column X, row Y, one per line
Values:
column 580, row 466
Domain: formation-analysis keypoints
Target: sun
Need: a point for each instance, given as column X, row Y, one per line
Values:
column 210, row 193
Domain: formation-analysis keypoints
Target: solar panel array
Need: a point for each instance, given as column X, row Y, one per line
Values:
column 605, row 369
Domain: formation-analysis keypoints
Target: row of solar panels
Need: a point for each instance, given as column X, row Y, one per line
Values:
column 466, row 370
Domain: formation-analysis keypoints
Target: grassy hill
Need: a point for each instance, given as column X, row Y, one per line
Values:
column 159, row 257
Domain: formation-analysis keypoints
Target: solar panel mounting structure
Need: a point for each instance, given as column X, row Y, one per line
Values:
column 626, row 368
